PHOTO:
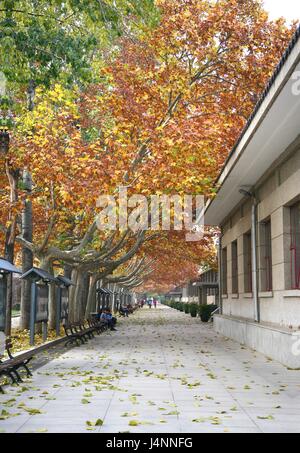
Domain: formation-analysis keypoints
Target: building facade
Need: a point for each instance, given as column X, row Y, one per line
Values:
column 258, row 210
column 203, row 290
column 175, row 295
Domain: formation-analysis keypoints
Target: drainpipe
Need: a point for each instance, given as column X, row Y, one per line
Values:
column 254, row 260
column 220, row 274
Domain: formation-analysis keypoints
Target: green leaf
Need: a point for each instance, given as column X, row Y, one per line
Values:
column 98, row 422
column 172, row 413
column 133, row 423
column 88, row 394
column 267, row 417
column 31, row 410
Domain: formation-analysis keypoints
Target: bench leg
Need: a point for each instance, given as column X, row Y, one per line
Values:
column 71, row 341
column 79, row 341
column 1, row 389
column 10, row 375
column 19, row 379
column 27, row 370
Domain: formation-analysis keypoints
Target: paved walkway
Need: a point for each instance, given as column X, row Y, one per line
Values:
column 162, row 372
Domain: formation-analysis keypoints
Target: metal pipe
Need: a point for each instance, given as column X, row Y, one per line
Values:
column 254, row 261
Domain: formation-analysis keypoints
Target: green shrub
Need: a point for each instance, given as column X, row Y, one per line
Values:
column 206, row 311
column 175, row 305
column 194, row 308
column 186, row 308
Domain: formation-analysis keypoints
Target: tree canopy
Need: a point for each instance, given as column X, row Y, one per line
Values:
column 147, row 95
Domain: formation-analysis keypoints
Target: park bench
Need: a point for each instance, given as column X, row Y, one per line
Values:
column 98, row 326
column 121, row 312
column 74, row 336
column 92, row 326
column 11, row 367
column 79, row 332
column 86, row 331
column 131, row 310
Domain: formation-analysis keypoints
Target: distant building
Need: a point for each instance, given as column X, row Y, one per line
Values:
column 175, row 295
column 258, row 210
column 203, row 290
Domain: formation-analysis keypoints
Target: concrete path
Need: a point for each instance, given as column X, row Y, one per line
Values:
column 161, row 372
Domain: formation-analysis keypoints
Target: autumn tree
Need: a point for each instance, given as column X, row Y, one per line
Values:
column 41, row 43
column 160, row 116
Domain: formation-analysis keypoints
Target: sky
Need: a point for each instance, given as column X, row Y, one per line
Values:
column 290, row 9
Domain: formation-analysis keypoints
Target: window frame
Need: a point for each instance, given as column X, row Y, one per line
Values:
column 224, row 271
column 266, row 263
column 295, row 245
column 234, row 268
column 248, row 284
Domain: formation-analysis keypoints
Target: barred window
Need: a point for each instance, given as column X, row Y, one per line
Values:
column 224, row 271
column 266, row 246
column 295, row 245
column 247, row 263
column 234, row 267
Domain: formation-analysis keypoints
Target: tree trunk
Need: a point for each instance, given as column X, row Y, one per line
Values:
column 9, row 256
column 84, row 295
column 46, row 265
column 27, row 256
column 10, row 243
column 91, row 300
column 78, row 295
column 27, row 230
column 68, row 271
column 52, row 305
column 72, row 304
column 113, row 303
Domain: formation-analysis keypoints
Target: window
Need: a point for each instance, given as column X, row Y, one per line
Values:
column 224, row 271
column 266, row 256
column 234, row 268
column 247, row 263
column 295, row 245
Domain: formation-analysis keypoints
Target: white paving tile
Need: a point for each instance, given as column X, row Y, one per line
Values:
column 167, row 373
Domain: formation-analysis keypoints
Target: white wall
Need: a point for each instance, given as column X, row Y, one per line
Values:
column 279, row 190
